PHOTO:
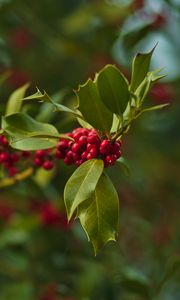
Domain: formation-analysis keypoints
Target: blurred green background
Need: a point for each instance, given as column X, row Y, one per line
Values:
column 57, row 45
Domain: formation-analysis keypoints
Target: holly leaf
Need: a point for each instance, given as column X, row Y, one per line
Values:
column 113, row 89
column 57, row 106
column 99, row 215
column 156, row 107
column 82, row 184
column 32, row 143
column 140, row 68
column 145, row 86
column 15, row 100
column 92, row 108
column 23, row 132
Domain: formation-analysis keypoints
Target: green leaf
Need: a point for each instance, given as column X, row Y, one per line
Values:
column 14, row 103
column 136, row 282
column 92, row 108
column 113, row 89
column 34, row 143
column 46, row 98
column 99, row 215
column 146, row 85
column 21, row 127
column 156, row 107
column 83, row 123
column 116, row 124
column 140, row 68
column 4, row 76
column 123, row 164
column 81, row 184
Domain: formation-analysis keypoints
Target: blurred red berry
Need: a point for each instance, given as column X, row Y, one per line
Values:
column 162, row 93
column 21, row 38
column 48, row 165
column 18, row 78
column 159, row 21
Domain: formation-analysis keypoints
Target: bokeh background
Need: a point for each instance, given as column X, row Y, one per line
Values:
column 56, row 45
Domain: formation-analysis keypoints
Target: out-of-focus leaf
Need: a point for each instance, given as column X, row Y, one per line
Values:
column 99, row 215
column 136, row 282
column 82, row 184
column 15, row 100
column 18, row 290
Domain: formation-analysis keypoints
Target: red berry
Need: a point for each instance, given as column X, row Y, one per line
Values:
column 84, row 131
column 118, row 154
column 4, row 156
column 14, row 157
column 76, row 156
column 110, row 160
column 79, row 162
column 77, row 135
column 93, row 139
column 69, row 154
column 48, row 165
column 89, row 156
column 82, row 140
column 88, row 147
column 26, row 154
column 115, row 147
column 68, row 161
column 70, row 143
column 38, row 161
column 40, row 153
column 94, row 152
column 84, row 155
column 3, row 140
column 12, row 171
column 60, row 154
column 105, row 147
column 62, row 145
column 76, row 148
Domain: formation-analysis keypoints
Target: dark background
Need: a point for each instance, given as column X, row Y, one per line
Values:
column 56, row 45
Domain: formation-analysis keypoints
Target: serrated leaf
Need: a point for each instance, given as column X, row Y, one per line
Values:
column 82, row 184
column 15, row 100
column 46, row 98
column 123, row 164
column 99, row 215
column 140, row 68
column 113, row 89
column 92, row 108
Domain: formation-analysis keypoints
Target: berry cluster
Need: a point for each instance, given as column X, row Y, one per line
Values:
column 9, row 158
column 44, row 159
column 87, row 145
